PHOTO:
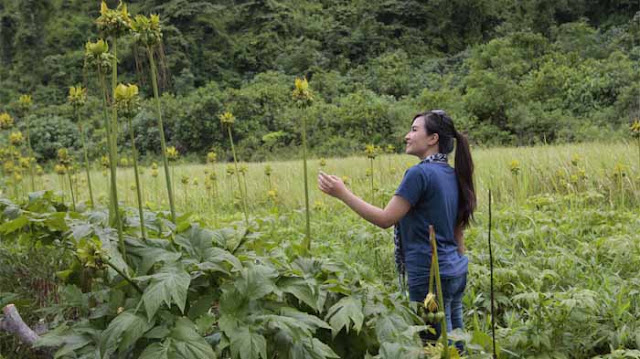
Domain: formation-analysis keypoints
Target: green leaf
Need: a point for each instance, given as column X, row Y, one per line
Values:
column 348, row 309
column 187, row 343
column 301, row 289
column 123, row 331
column 256, row 281
column 168, row 286
column 155, row 351
column 151, row 252
column 311, row 348
column 247, row 344
column 14, row 225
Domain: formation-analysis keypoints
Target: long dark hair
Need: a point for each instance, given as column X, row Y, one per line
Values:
column 437, row 121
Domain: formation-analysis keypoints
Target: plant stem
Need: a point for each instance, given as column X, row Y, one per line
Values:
column 436, row 268
column 123, row 275
column 163, row 145
column 114, row 213
column 73, row 199
column 86, row 159
column 33, row 185
column 307, row 239
column 138, row 188
column 372, row 193
column 235, row 162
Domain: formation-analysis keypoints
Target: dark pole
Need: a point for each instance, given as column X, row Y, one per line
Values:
column 493, row 320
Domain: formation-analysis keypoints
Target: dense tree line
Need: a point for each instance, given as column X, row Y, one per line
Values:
column 511, row 72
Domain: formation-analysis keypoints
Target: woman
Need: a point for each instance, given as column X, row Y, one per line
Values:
column 431, row 193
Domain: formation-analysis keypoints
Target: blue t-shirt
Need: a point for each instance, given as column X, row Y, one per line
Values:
column 432, row 190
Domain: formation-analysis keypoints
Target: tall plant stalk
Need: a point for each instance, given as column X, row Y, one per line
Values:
column 235, row 163
column 77, row 98
column 86, row 163
column 137, row 176
column 307, row 238
column 163, row 143
column 303, row 99
column 114, row 212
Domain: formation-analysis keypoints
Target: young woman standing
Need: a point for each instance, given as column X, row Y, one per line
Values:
column 431, row 193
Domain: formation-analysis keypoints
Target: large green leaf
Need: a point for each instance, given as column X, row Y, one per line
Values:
column 14, row 225
column 151, row 252
column 123, row 331
column 256, row 281
column 301, row 289
column 311, row 348
column 186, row 343
column 341, row 314
column 247, row 344
column 156, row 351
column 170, row 285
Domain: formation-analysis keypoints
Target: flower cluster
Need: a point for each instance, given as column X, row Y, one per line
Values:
column 172, row 153
column 6, row 121
column 302, row 95
column 96, row 55
column 227, row 119
column 146, row 30
column 77, row 96
column 127, row 100
column 114, row 22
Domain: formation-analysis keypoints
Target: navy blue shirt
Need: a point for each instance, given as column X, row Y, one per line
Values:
column 432, row 190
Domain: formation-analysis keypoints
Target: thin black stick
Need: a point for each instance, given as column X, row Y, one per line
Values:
column 493, row 321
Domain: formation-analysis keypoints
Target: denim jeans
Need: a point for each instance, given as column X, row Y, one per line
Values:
column 452, row 291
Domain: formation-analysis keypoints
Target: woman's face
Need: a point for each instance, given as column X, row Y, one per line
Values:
column 418, row 142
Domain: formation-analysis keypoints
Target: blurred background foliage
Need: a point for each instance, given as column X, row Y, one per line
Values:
column 510, row 72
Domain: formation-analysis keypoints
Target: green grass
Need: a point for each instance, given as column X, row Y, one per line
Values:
column 544, row 169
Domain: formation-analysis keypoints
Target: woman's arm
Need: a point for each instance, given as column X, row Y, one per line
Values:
column 384, row 218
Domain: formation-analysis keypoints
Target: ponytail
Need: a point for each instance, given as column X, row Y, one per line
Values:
column 464, row 173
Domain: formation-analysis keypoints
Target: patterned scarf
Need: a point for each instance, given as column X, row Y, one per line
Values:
column 398, row 253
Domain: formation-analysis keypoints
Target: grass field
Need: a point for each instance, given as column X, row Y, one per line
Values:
column 566, row 238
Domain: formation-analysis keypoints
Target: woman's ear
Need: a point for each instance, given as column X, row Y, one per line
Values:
column 433, row 139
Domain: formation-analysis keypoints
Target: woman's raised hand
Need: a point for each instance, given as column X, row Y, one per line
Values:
column 331, row 185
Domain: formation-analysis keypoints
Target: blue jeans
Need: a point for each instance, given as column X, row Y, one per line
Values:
column 452, row 291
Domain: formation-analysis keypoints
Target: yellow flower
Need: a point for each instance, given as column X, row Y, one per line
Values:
column 267, row 170
column 60, row 169
column 16, row 138
column 104, row 161
column 154, row 166
column 6, row 121
column 172, row 153
column 147, row 31
column 227, row 118
column 124, row 162
column 301, row 93
column 514, row 167
column 114, row 22
column 575, row 159
column 25, row 162
column 63, row 156
column 8, row 167
column 390, row 149
column 243, row 169
column 272, row 194
column 185, row 179
column 635, row 127
column 127, row 99
column 370, row 151
column 25, row 102
column 212, row 157
column 77, row 96
column 230, row 170
column 96, row 55
column 323, row 162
